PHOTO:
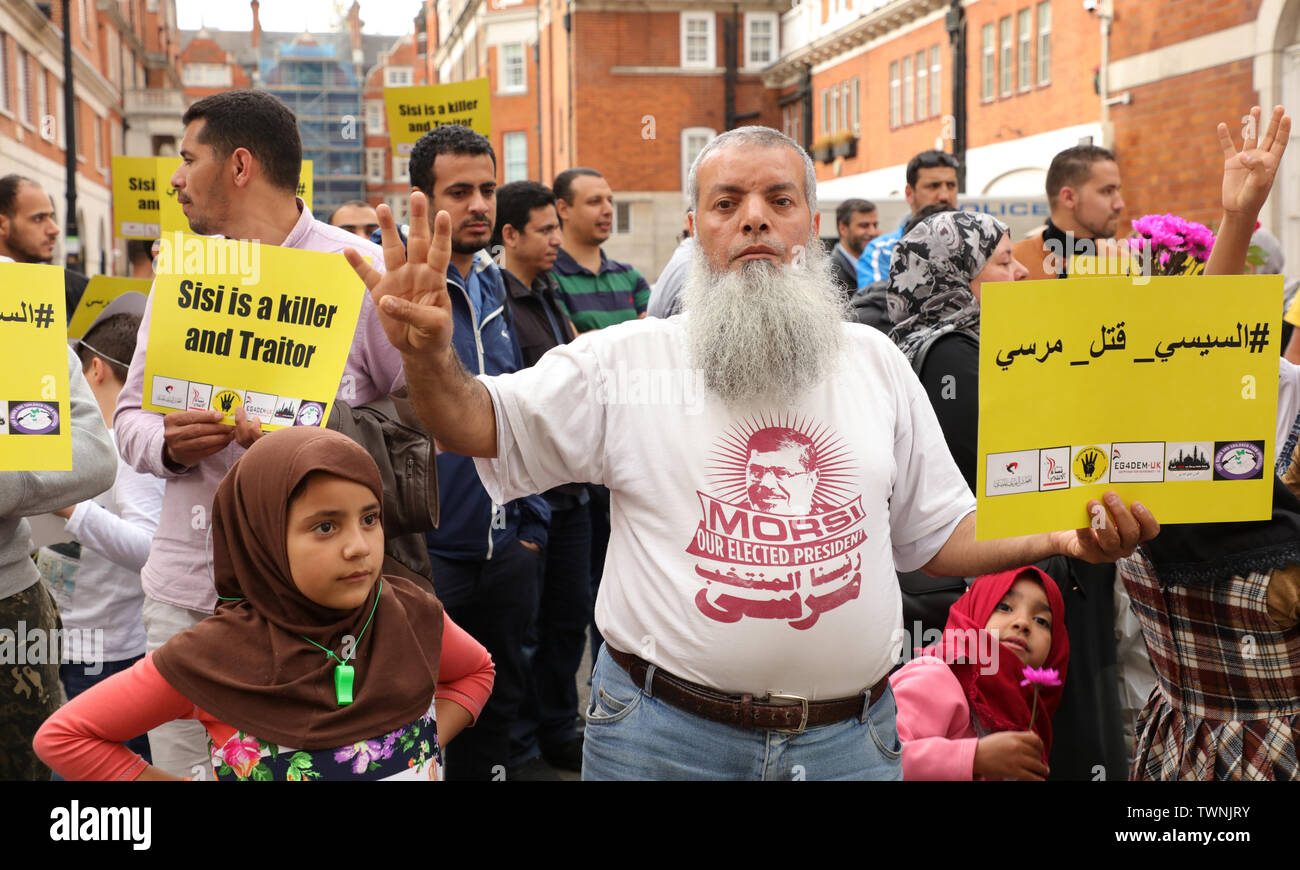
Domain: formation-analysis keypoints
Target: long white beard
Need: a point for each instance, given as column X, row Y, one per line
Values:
column 764, row 331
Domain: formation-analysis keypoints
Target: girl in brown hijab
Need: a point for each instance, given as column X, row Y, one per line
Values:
column 314, row 666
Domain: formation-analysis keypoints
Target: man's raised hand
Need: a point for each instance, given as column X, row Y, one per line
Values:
column 1248, row 174
column 411, row 295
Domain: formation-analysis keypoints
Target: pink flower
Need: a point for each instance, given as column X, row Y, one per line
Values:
column 242, row 755
column 1040, row 677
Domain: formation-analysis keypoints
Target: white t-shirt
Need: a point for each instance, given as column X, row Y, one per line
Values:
column 750, row 550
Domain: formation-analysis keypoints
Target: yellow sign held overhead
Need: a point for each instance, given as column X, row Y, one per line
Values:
column 1164, row 391
column 137, row 197
column 412, row 112
column 35, row 412
column 237, row 324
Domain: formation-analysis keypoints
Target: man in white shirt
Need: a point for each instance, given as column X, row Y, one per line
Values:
column 742, row 641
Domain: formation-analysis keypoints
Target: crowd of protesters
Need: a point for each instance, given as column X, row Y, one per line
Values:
column 318, row 626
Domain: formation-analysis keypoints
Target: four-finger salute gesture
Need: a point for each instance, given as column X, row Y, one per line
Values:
column 1248, row 173
column 411, row 295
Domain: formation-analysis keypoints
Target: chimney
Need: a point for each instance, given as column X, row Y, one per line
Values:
column 354, row 26
column 256, row 38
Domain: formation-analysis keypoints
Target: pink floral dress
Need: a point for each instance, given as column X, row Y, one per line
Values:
column 407, row 753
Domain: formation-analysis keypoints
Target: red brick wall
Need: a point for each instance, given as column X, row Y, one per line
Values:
column 1168, row 150
column 611, row 108
column 1141, row 25
column 516, row 113
column 1069, row 98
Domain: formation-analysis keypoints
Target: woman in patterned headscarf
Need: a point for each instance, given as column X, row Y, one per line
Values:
column 935, row 280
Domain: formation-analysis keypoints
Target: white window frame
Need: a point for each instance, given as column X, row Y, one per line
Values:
column 908, row 93
column 1044, row 11
column 773, row 34
column 24, row 81
column 399, row 76
column 623, row 213
column 401, row 170
column 43, row 103
column 375, row 118
column 400, row 205
column 936, row 92
column 687, row 158
column 710, row 59
column 375, row 165
column 853, row 114
column 922, row 86
column 99, row 143
column 834, row 112
column 988, row 61
column 826, row 111
column 6, row 100
column 1025, row 49
column 1006, row 41
column 520, row 173
column 503, row 69
column 895, row 96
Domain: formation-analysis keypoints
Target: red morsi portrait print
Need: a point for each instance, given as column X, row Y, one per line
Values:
column 780, row 526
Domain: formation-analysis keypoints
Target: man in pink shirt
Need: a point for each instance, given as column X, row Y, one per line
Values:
column 242, row 155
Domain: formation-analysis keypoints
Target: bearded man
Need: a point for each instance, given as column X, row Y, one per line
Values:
column 726, row 620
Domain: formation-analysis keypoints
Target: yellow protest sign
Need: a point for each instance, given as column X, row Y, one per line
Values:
column 171, row 215
column 412, row 112
column 101, row 290
column 136, row 197
column 305, row 183
column 35, row 413
column 237, row 324
column 1165, row 392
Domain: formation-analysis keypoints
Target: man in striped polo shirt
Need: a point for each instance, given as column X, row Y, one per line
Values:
column 596, row 291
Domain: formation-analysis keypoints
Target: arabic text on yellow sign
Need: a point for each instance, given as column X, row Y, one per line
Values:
column 414, row 111
column 1165, row 392
column 101, row 290
column 35, row 416
column 235, row 324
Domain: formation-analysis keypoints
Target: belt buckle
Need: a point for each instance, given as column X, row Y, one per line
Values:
column 803, row 702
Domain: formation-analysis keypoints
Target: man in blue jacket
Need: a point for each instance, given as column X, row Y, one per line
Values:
column 486, row 557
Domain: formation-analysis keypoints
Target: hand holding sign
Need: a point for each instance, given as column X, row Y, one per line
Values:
column 1115, row 534
column 411, row 295
column 1248, row 174
column 191, row 436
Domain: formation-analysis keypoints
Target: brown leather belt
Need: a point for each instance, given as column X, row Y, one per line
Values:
column 775, row 712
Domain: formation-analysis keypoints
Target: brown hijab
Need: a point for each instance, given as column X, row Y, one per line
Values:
column 249, row 665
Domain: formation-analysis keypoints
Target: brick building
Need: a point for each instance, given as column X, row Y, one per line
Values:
column 124, row 69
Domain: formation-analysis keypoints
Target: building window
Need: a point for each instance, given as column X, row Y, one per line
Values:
column 85, row 22
column 922, row 88
column 834, row 114
column 400, row 205
column 826, row 111
column 401, row 169
column 622, row 218
column 5, row 102
column 987, row 50
column 907, row 89
column 374, row 117
column 693, row 141
column 43, row 103
column 513, row 80
column 894, row 95
column 853, row 97
column 398, row 77
column 99, row 142
column 375, row 165
column 760, row 38
column 1024, row 48
column 1004, row 68
column 206, row 75
column 786, row 127
column 698, row 41
column 934, row 80
column 515, row 146
column 1044, row 42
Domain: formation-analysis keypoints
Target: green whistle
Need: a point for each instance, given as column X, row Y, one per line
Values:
column 343, row 675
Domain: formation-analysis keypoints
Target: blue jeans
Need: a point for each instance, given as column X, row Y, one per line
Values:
column 632, row 735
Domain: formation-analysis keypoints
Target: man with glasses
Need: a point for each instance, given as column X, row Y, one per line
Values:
column 931, row 178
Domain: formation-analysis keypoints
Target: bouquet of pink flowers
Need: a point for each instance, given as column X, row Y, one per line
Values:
column 1170, row 245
